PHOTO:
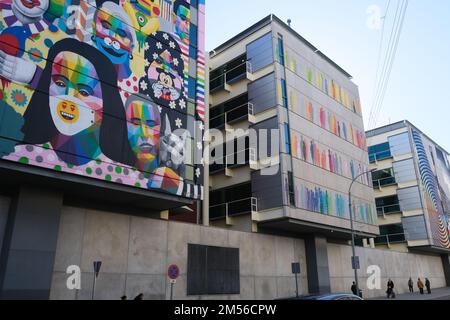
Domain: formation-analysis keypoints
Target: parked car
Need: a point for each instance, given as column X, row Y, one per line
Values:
column 329, row 296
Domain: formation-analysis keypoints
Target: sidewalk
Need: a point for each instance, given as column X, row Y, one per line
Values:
column 436, row 294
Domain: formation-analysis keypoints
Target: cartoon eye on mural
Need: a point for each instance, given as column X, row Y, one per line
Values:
column 144, row 125
column 84, row 116
column 163, row 82
column 114, row 36
column 144, row 15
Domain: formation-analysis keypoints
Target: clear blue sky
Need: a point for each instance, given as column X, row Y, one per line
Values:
column 419, row 88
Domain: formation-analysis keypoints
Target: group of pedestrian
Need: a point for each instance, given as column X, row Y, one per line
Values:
column 390, row 287
column 420, row 285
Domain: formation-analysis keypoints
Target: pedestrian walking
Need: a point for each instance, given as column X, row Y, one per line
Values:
column 428, row 285
column 420, row 285
column 411, row 285
column 354, row 288
column 390, row 289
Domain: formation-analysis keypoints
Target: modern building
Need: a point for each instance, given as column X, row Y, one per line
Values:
column 268, row 77
column 412, row 189
column 89, row 122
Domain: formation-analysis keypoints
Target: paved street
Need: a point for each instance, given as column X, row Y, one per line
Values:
column 436, row 294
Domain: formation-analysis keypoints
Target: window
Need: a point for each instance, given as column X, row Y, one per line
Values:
column 284, row 93
column 212, row 270
column 234, row 201
column 291, row 188
column 388, row 205
column 379, row 152
column 287, row 138
column 383, row 178
column 233, row 110
column 393, row 233
column 232, row 71
column 280, row 49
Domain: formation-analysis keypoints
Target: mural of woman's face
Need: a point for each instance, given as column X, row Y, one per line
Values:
column 31, row 8
column 75, row 94
column 144, row 125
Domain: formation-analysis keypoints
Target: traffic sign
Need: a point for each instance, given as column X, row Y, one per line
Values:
column 296, row 268
column 355, row 263
column 173, row 271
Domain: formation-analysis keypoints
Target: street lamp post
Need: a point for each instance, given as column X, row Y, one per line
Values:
column 355, row 269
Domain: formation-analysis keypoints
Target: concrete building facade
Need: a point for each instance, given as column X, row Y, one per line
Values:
column 270, row 78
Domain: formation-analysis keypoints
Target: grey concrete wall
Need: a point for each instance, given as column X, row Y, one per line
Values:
column 398, row 266
column 137, row 251
column 30, row 243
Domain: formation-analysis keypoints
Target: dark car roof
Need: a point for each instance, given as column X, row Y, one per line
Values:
column 330, row 296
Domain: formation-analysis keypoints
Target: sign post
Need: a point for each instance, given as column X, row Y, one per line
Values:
column 296, row 271
column 97, row 266
column 173, row 272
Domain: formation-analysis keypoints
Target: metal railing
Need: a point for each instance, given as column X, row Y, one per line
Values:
column 391, row 238
column 235, row 73
column 378, row 183
column 237, row 113
column 379, row 156
column 233, row 208
column 390, row 209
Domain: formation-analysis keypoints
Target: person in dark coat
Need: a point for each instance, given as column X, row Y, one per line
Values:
column 411, row 285
column 390, row 289
column 428, row 285
column 354, row 288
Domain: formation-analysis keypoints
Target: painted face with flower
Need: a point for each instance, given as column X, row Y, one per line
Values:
column 144, row 125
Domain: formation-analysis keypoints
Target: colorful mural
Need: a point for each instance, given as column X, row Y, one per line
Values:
column 313, row 152
column 317, row 199
column 434, row 197
column 102, row 89
column 305, row 70
column 321, row 116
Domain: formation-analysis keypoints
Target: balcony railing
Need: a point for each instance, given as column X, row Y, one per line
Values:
column 236, row 114
column 391, row 238
column 237, row 73
column 233, row 208
column 386, row 210
column 234, row 160
column 379, row 156
column 385, row 182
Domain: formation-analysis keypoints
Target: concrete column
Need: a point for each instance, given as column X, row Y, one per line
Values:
column 372, row 243
column 27, row 257
column 317, row 265
column 446, row 265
